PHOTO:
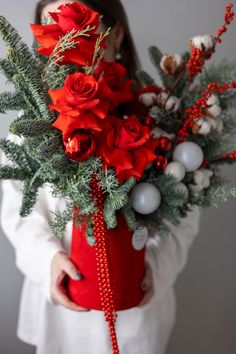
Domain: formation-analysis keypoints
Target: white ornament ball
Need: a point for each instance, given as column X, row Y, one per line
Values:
column 189, row 154
column 181, row 187
column 176, row 170
column 146, row 198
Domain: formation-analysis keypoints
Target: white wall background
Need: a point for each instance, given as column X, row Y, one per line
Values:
column 206, row 290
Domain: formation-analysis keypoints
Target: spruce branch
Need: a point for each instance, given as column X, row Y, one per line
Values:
column 16, row 153
column 145, row 78
column 7, row 69
column 15, row 173
column 30, row 194
column 31, row 79
column 11, row 101
column 30, row 128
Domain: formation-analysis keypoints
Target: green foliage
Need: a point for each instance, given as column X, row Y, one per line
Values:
column 145, row 78
column 31, row 128
column 8, row 172
column 11, row 102
column 156, row 55
column 116, row 202
column 60, row 220
column 213, row 196
column 30, row 193
column 7, row 69
column 16, row 154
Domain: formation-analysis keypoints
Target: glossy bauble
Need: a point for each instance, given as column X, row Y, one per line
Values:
column 146, row 198
column 189, row 154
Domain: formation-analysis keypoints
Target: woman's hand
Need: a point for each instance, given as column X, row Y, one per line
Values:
column 61, row 266
column 147, row 285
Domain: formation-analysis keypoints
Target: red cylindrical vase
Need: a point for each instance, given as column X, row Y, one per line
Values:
column 127, row 268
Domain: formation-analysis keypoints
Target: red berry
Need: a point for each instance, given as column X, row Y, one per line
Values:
column 165, row 144
column 161, row 162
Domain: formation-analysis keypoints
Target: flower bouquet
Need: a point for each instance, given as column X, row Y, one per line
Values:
column 126, row 155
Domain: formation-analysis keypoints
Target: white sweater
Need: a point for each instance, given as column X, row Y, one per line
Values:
column 56, row 330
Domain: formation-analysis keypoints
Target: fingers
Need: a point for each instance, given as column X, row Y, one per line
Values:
column 59, row 297
column 70, row 269
column 147, row 280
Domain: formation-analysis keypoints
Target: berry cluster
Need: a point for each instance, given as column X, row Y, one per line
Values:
column 198, row 110
column 198, row 57
column 228, row 18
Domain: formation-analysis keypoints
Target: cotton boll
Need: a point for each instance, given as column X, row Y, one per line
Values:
column 204, row 43
column 220, row 125
column 213, row 100
column 158, row 133
column 207, row 41
column 173, row 104
column 214, row 111
column 201, row 179
column 204, row 128
column 171, row 64
column 148, row 99
column 196, row 42
column 161, row 99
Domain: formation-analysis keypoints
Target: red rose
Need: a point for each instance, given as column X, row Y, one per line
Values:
column 80, row 146
column 71, row 16
column 114, row 74
column 82, row 103
column 127, row 146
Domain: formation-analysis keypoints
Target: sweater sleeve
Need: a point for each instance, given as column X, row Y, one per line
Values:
column 31, row 237
column 168, row 256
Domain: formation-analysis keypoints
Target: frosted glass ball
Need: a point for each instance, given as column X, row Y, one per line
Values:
column 181, row 187
column 176, row 170
column 189, row 154
column 146, row 198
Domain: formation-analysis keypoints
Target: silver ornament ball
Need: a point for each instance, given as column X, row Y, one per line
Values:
column 181, row 187
column 189, row 154
column 176, row 170
column 146, row 198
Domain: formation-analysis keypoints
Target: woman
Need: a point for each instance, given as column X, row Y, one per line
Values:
column 48, row 319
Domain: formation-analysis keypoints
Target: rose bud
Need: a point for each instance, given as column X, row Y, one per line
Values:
column 171, row 64
column 148, row 98
column 80, row 146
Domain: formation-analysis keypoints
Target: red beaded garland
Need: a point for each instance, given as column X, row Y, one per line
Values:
column 102, row 259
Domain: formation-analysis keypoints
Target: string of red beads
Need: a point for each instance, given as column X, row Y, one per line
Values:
column 198, row 110
column 102, row 259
